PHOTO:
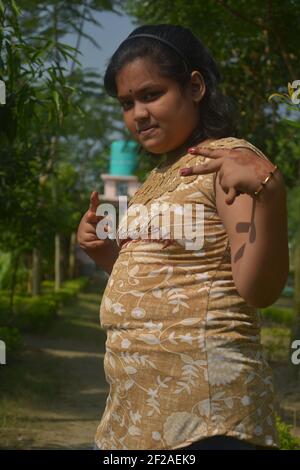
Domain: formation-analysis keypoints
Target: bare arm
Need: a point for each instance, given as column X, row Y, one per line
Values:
column 258, row 235
column 105, row 258
column 103, row 252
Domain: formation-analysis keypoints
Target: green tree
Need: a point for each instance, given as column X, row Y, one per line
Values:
column 291, row 102
column 54, row 129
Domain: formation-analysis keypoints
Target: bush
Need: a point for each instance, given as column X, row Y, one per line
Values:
column 276, row 342
column 47, row 285
column 4, row 308
column 76, row 285
column 12, row 339
column 70, row 289
column 36, row 313
column 286, row 440
column 5, row 269
column 63, row 296
column 30, row 313
column 278, row 315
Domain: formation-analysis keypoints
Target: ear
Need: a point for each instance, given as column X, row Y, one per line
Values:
column 197, row 86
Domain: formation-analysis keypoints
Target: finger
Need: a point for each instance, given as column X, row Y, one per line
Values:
column 90, row 237
column 106, row 227
column 208, row 152
column 90, row 234
column 92, row 218
column 202, row 169
column 221, row 174
column 94, row 201
column 231, row 195
column 95, row 244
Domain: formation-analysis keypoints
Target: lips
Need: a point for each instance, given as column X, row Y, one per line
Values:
column 144, row 129
column 151, row 131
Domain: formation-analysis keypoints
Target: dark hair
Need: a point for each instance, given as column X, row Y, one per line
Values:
column 214, row 108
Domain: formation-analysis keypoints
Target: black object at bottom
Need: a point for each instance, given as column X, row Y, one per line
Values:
column 218, row 443
column 222, row 443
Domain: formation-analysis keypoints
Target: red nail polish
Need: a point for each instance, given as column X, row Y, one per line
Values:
column 192, row 150
column 185, row 171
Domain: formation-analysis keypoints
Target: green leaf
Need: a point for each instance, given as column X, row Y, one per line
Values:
column 16, row 9
column 68, row 47
column 292, row 123
column 56, row 100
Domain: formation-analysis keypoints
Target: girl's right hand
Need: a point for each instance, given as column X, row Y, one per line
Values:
column 86, row 233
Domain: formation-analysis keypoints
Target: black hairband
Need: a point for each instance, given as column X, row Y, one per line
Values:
column 165, row 41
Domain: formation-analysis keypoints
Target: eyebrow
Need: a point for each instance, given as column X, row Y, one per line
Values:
column 147, row 86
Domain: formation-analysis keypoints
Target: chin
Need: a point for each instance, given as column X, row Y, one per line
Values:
column 155, row 148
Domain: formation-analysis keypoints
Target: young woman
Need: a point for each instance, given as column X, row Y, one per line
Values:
column 183, row 357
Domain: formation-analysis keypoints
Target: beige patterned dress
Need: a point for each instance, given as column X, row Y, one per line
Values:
column 183, row 355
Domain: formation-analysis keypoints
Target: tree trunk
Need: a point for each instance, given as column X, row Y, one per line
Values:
column 65, row 255
column 72, row 258
column 15, row 266
column 58, row 270
column 28, row 263
column 36, row 271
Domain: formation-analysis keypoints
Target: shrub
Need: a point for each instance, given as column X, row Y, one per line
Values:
column 278, row 315
column 12, row 339
column 70, row 289
column 4, row 308
column 36, row 313
column 76, row 285
column 47, row 285
column 29, row 312
column 276, row 342
column 286, row 440
column 63, row 296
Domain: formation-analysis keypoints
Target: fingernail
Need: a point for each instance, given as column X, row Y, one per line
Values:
column 186, row 171
column 192, row 150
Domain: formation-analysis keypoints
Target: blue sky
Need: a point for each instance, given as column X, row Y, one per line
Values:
column 114, row 30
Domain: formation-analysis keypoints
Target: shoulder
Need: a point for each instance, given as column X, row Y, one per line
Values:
column 235, row 142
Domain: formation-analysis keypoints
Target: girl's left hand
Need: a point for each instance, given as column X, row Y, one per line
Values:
column 241, row 170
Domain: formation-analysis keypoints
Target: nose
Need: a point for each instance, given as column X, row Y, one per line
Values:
column 140, row 112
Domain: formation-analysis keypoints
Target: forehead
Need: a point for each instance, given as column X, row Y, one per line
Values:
column 137, row 75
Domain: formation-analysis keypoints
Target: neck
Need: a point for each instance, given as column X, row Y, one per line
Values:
column 171, row 157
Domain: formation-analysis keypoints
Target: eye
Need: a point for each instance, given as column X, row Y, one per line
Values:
column 126, row 105
column 149, row 96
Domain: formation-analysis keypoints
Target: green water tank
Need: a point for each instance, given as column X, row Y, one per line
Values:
column 123, row 157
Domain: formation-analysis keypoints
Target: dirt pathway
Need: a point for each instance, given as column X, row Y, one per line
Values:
column 60, row 396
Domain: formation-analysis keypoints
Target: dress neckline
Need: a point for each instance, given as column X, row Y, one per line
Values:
column 161, row 168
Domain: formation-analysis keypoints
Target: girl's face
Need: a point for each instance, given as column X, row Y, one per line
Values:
column 152, row 101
